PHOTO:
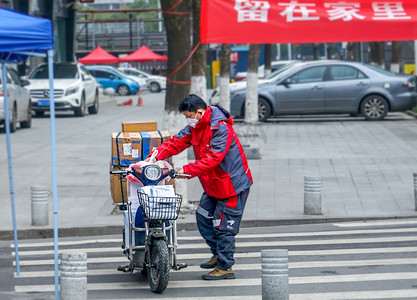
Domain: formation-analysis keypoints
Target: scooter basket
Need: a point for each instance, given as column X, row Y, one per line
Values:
column 160, row 208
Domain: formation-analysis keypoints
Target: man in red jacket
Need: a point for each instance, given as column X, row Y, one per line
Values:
column 223, row 171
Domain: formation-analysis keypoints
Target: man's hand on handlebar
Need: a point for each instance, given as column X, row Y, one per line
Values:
column 181, row 174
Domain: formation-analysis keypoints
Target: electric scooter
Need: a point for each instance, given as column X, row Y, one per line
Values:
column 150, row 233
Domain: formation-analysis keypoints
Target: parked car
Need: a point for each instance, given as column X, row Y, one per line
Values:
column 109, row 78
column 143, row 84
column 18, row 101
column 156, row 82
column 74, row 89
column 275, row 65
column 332, row 87
column 215, row 96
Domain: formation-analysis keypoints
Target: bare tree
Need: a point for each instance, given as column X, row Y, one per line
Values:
column 396, row 57
column 178, row 29
column 377, row 53
column 198, row 69
column 225, row 76
column 315, row 51
column 251, row 103
column 268, row 57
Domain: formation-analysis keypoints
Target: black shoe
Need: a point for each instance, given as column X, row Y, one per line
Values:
column 211, row 264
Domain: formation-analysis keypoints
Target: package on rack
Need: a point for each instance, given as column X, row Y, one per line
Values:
column 162, row 202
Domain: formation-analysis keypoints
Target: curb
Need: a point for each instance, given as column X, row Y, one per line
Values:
column 108, row 230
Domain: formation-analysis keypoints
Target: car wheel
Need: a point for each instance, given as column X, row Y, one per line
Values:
column 123, row 90
column 13, row 119
column 28, row 122
column 155, row 87
column 374, row 108
column 264, row 110
column 80, row 111
column 92, row 110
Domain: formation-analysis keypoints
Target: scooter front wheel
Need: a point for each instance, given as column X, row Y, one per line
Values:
column 158, row 269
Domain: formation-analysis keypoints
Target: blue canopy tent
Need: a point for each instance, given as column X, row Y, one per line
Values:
column 22, row 36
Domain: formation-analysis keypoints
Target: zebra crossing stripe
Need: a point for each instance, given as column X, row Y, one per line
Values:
column 144, row 285
column 376, row 223
column 294, row 265
column 380, row 294
column 238, row 237
column 252, row 244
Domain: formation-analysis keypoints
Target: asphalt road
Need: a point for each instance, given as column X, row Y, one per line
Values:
column 362, row 260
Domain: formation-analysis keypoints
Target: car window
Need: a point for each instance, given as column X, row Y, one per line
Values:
column 313, row 74
column 14, row 78
column 103, row 74
column 345, row 73
column 379, row 70
column 60, row 72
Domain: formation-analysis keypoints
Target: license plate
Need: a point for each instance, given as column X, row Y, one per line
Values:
column 43, row 102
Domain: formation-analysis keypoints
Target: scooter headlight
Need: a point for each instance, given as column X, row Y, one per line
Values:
column 153, row 172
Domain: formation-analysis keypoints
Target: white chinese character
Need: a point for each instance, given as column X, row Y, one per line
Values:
column 250, row 10
column 389, row 11
column 342, row 10
column 298, row 8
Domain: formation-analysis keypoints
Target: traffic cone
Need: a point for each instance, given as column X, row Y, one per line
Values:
column 140, row 101
column 127, row 102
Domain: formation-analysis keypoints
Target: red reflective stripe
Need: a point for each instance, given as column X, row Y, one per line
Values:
column 232, row 202
column 221, row 220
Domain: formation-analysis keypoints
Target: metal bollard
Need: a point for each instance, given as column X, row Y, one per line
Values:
column 275, row 274
column 39, row 199
column 312, row 195
column 415, row 191
column 73, row 274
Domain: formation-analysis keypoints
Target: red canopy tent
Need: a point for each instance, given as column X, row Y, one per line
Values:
column 99, row 56
column 143, row 54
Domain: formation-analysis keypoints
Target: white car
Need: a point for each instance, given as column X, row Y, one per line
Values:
column 156, row 82
column 74, row 89
column 18, row 101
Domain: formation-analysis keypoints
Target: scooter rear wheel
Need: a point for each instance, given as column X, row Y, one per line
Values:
column 158, row 270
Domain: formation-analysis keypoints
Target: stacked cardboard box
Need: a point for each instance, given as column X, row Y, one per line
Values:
column 133, row 144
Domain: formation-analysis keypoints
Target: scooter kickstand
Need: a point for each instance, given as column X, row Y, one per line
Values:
column 180, row 266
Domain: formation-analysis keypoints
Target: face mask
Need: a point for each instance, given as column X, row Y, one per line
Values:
column 192, row 121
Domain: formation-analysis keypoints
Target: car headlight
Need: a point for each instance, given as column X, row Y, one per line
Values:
column 153, row 172
column 71, row 91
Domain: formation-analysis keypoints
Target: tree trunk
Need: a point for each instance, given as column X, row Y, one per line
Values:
column 315, row 51
column 198, row 69
column 396, row 57
column 268, row 56
column 377, row 53
column 179, row 46
column 251, row 103
column 352, row 51
column 178, row 29
column 224, row 76
column 329, row 47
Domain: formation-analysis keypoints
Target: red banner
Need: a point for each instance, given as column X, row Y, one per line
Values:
column 307, row 21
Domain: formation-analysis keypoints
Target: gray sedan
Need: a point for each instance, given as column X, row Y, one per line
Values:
column 332, row 87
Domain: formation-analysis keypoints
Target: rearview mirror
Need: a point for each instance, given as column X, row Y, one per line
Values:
column 25, row 82
column 287, row 82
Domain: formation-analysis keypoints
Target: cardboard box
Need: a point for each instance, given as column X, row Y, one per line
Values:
column 115, row 187
column 150, row 140
column 138, row 126
column 127, row 146
column 165, row 136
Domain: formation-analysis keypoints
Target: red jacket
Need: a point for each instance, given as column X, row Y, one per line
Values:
column 220, row 163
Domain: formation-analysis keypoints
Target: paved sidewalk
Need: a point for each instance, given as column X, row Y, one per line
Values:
column 366, row 167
